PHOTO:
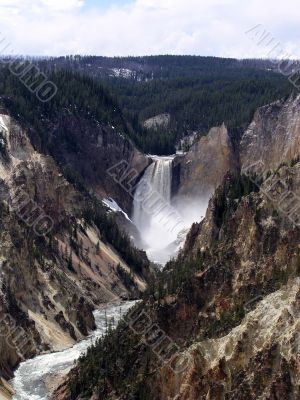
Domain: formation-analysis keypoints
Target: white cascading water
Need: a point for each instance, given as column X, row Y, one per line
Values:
column 31, row 376
column 158, row 222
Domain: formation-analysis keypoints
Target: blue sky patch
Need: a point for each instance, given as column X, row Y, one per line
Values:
column 104, row 4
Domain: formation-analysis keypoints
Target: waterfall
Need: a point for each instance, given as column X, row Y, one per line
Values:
column 153, row 214
column 154, row 186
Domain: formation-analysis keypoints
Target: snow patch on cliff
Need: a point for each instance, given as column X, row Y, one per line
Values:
column 114, row 207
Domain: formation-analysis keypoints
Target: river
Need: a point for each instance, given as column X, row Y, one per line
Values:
column 30, row 377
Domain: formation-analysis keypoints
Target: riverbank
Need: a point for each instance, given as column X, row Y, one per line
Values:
column 36, row 379
column 6, row 391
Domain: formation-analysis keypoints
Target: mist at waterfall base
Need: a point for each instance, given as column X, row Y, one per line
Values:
column 163, row 224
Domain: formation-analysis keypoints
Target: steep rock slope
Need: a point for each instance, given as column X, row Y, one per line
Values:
column 273, row 137
column 53, row 272
column 201, row 170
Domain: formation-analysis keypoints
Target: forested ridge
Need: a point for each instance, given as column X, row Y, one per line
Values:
column 198, row 103
column 76, row 93
column 197, row 92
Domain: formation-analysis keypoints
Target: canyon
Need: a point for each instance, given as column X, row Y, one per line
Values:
column 222, row 217
column 69, row 266
column 230, row 301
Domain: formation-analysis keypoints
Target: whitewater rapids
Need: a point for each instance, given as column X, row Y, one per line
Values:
column 29, row 381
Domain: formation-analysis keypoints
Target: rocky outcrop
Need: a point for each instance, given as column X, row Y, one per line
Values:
column 158, row 122
column 259, row 359
column 6, row 390
column 201, row 170
column 273, row 137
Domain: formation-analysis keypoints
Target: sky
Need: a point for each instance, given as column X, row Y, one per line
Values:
column 225, row 28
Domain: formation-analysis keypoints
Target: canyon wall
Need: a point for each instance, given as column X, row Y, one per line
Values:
column 200, row 171
column 55, row 273
column 273, row 136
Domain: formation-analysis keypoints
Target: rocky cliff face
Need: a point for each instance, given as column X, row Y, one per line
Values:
column 56, row 264
column 159, row 121
column 273, row 137
column 201, row 170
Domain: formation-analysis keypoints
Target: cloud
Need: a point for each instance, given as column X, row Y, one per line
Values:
column 204, row 27
column 59, row 5
column 49, row 4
